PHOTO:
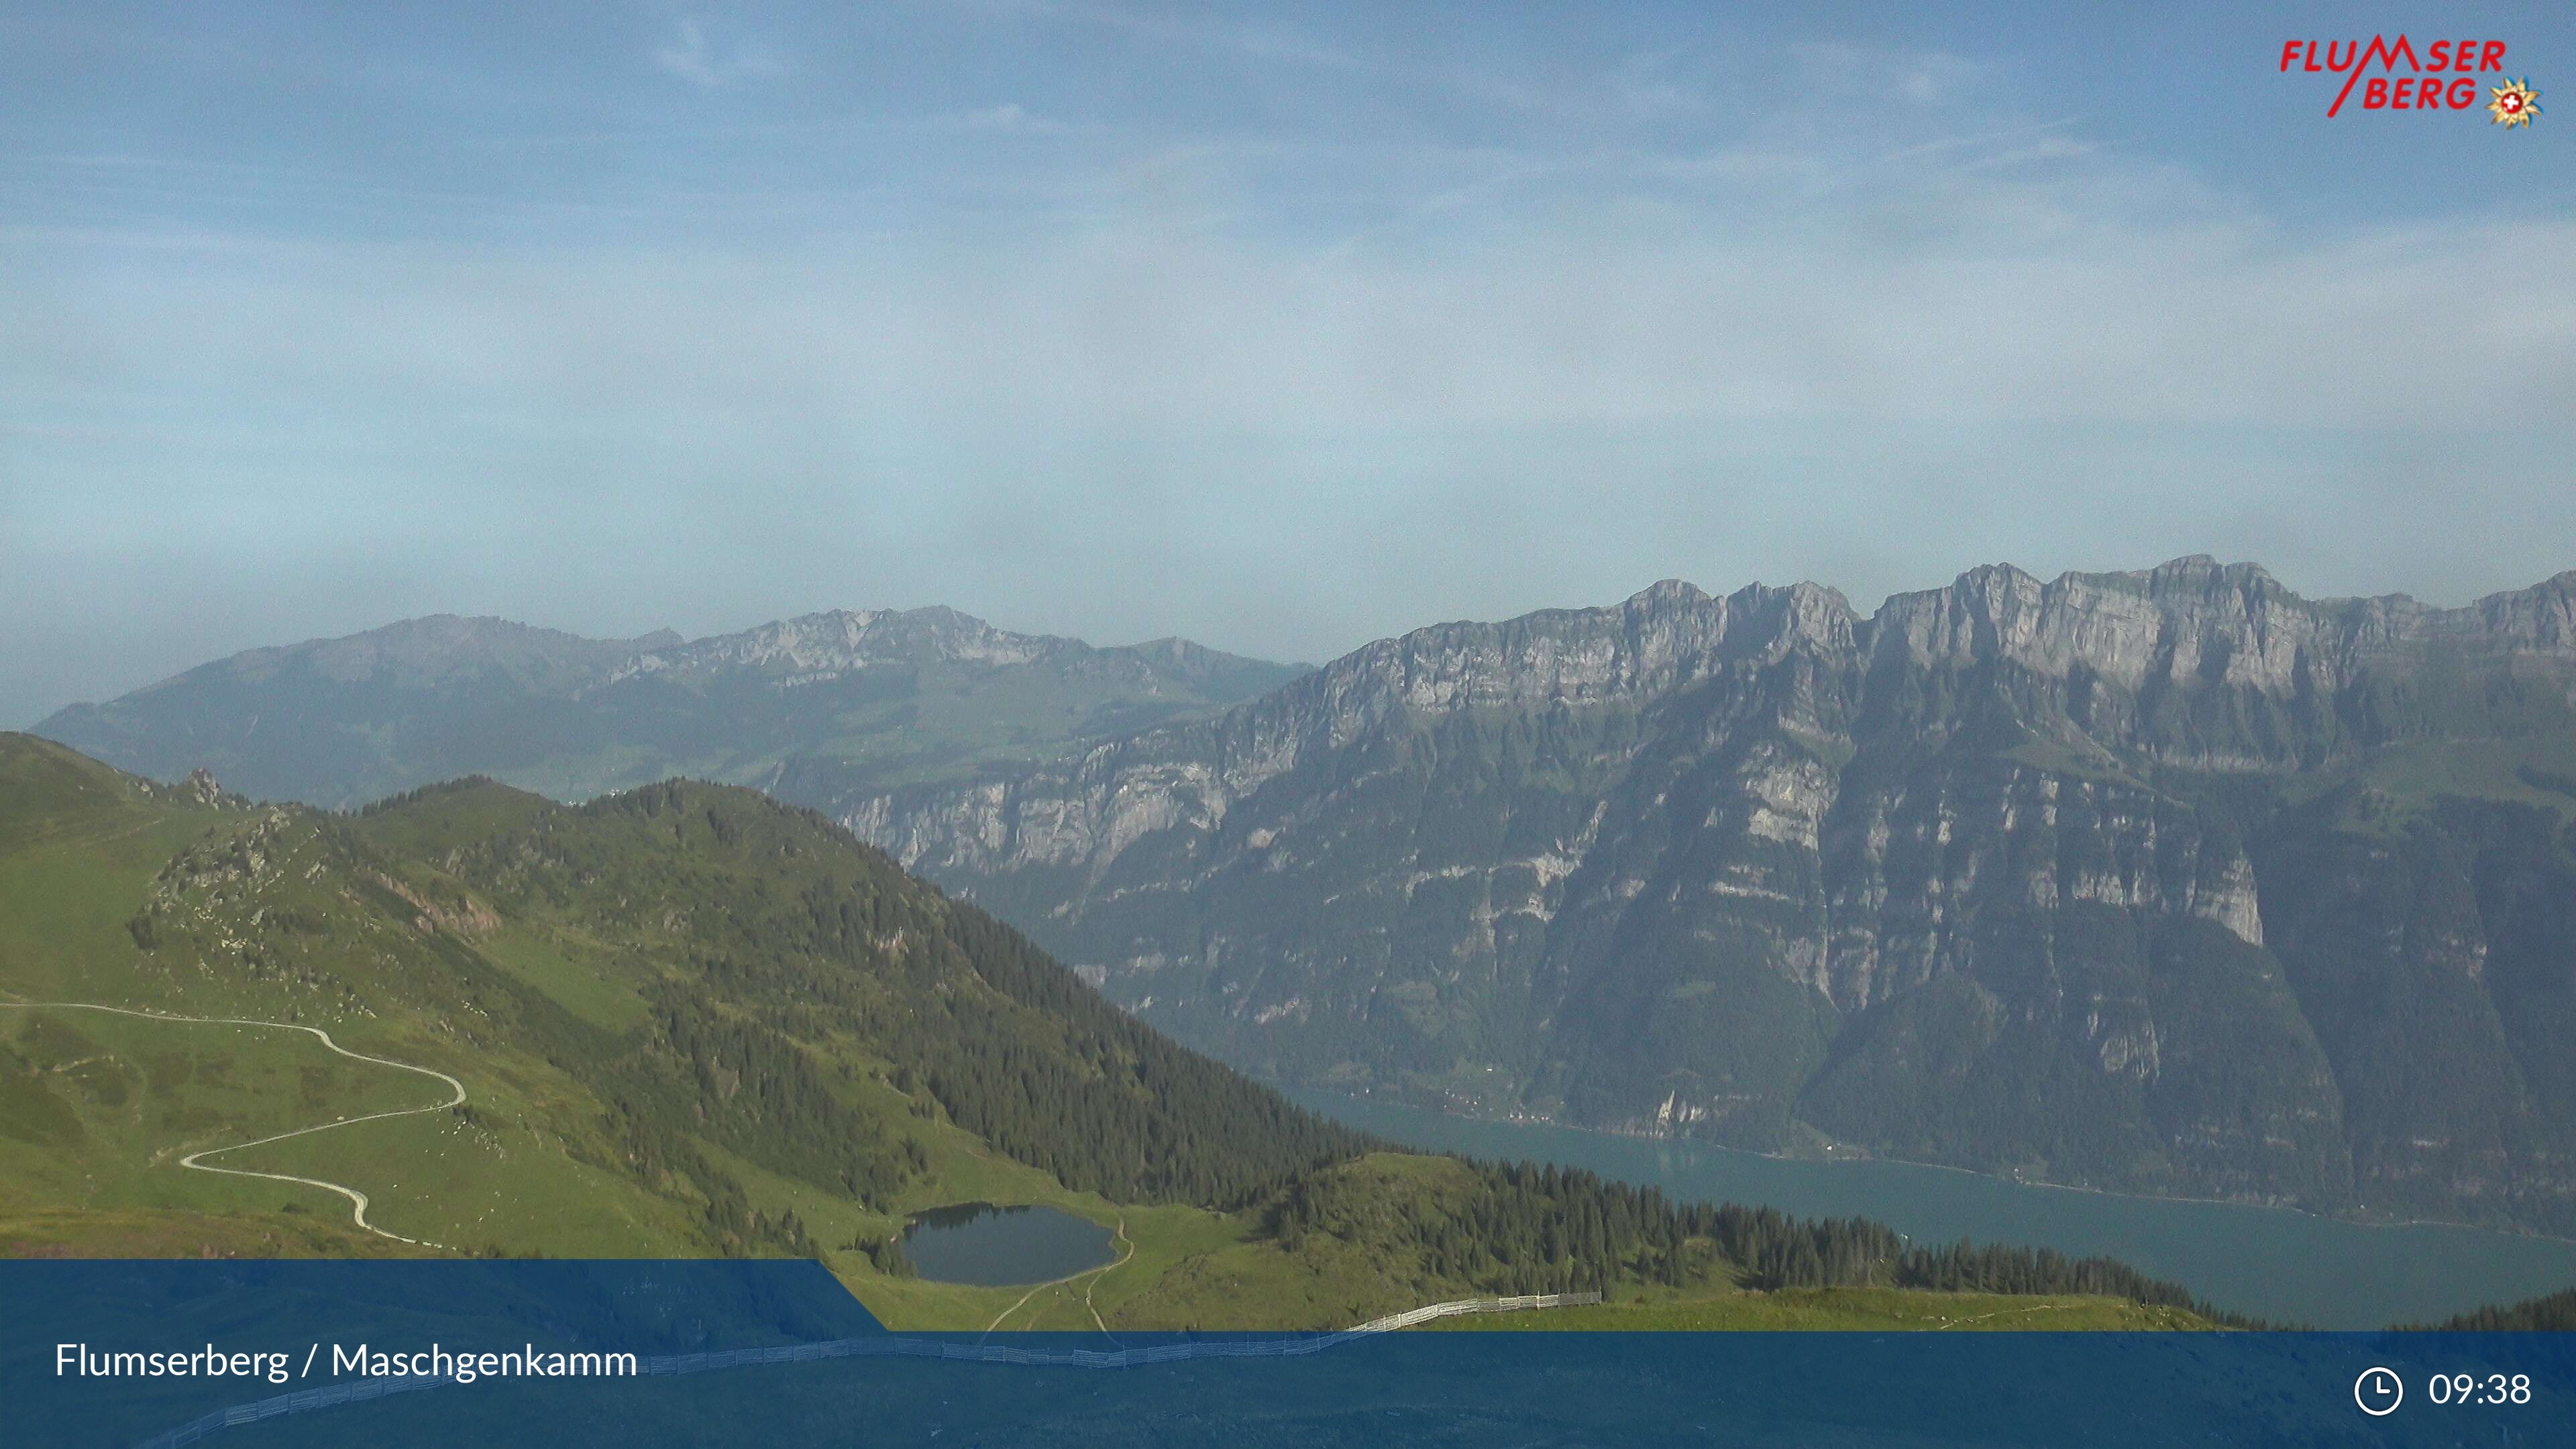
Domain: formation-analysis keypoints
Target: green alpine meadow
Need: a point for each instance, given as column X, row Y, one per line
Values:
column 686, row 1020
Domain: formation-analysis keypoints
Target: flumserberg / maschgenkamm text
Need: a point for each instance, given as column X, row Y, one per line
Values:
column 79, row 1360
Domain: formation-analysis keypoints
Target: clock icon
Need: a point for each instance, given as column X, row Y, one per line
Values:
column 2379, row 1391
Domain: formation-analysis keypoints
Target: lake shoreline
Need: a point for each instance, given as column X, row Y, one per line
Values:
column 1863, row 1157
column 2283, row 1264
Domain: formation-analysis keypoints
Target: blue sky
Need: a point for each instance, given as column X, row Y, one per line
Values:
column 1280, row 327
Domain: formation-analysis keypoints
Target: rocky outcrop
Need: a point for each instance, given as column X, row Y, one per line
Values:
column 1992, row 876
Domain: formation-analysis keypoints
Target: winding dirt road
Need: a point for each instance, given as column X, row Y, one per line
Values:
column 1094, row 1274
column 196, row 1160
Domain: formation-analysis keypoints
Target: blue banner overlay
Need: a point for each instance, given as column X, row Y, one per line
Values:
column 776, row 1353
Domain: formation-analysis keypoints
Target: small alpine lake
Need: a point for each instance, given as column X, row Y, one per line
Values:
column 1003, row 1246
column 2271, row 1262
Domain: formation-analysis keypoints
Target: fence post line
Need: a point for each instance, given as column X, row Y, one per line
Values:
column 880, row 1345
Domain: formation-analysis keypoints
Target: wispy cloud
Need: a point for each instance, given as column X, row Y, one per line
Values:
column 690, row 55
column 1013, row 119
column 1979, row 292
column 1648, row 89
column 1269, row 44
column 1863, row 72
column 1671, row 317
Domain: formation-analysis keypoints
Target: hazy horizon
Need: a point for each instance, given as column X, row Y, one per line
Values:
column 1279, row 329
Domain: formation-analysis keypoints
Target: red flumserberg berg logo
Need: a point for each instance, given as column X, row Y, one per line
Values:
column 2393, row 75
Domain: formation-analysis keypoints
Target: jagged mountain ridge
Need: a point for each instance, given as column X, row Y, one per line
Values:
column 839, row 700
column 2053, row 877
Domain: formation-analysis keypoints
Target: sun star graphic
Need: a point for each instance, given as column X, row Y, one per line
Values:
column 2515, row 103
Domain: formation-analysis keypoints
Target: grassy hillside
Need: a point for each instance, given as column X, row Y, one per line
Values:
column 691, row 1022
column 808, row 1103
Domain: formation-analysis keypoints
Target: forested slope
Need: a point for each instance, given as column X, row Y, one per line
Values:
column 691, row 1021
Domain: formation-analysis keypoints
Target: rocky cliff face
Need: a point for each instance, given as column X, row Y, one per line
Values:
column 2080, row 878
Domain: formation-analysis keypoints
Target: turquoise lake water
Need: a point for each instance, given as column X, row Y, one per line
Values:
column 2279, row 1264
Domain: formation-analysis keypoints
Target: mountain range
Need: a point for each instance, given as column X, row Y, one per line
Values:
column 809, row 708
column 2168, row 881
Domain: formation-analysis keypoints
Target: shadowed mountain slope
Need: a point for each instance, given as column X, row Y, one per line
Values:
column 2169, row 880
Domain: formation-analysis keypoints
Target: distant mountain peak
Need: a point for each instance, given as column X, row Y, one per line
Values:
column 846, row 639
column 791, row 704
column 1666, row 592
column 2202, row 571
